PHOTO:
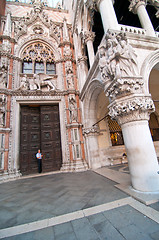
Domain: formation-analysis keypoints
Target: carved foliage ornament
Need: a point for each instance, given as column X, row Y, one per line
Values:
column 131, row 109
column 134, row 4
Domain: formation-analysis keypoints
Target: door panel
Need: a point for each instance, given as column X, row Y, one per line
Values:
column 40, row 129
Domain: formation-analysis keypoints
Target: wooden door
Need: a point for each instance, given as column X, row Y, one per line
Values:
column 40, row 129
column 50, row 138
column 29, row 139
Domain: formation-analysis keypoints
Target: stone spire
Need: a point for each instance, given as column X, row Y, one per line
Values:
column 65, row 31
column 8, row 24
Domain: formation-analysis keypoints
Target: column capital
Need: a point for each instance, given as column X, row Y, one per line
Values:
column 88, row 36
column 94, row 4
column 134, row 4
column 133, row 108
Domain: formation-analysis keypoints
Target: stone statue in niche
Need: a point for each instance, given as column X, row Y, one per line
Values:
column 3, row 76
column 68, row 67
column 2, row 110
column 67, row 51
column 70, row 81
column 73, row 109
column 117, row 58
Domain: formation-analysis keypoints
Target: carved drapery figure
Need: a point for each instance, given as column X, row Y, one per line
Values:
column 117, row 58
column 3, row 76
column 73, row 109
column 2, row 110
column 70, row 81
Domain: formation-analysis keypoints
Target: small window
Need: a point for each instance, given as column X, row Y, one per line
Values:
column 27, row 67
column 50, row 68
column 115, row 133
column 39, row 67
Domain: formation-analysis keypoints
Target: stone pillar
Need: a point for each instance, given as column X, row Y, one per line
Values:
column 91, row 135
column 108, row 15
column 131, row 107
column 132, row 113
column 139, row 7
column 89, row 38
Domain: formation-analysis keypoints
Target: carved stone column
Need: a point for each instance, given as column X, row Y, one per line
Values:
column 131, row 108
column 91, row 135
column 138, row 7
column 108, row 15
column 89, row 38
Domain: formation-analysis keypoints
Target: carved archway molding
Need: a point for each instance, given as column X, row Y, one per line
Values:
column 148, row 64
column 93, row 90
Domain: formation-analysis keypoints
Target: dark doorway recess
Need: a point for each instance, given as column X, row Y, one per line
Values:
column 40, row 129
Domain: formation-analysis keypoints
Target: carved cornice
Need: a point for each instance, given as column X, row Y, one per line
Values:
column 91, row 131
column 130, row 109
column 134, row 4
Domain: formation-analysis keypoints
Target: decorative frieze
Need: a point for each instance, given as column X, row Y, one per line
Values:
column 131, row 109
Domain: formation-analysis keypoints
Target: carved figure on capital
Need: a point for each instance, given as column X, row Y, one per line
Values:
column 67, row 51
column 73, row 109
column 117, row 58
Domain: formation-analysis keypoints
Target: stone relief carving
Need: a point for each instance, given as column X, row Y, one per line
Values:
column 117, row 58
column 88, row 36
column 38, row 30
column 133, row 109
column 134, row 4
column 2, row 110
column 68, row 67
column 73, row 109
column 35, row 83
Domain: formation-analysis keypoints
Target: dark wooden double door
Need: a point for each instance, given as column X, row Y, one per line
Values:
column 40, row 129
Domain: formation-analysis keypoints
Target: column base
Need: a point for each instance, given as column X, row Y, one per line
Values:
column 10, row 175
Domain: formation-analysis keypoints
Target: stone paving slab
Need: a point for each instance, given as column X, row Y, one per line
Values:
column 32, row 199
column 119, row 223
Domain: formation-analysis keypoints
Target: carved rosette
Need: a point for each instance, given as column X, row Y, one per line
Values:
column 91, row 131
column 124, row 86
column 131, row 109
column 134, row 4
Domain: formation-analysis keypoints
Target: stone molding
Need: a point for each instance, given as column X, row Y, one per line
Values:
column 134, row 4
column 91, row 131
column 134, row 108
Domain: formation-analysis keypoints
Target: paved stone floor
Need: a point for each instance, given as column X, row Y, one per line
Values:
column 74, row 206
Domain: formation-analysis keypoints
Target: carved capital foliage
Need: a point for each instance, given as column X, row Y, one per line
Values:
column 124, row 86
column 134, row 4
column 131, row 109
column 91, row 131
column 88, row 36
